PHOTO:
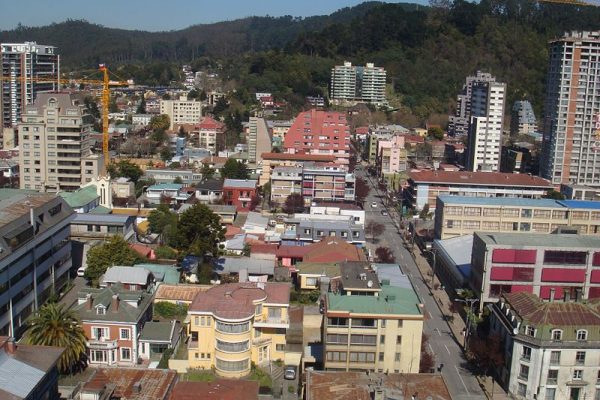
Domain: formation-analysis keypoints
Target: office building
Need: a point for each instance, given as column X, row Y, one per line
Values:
column 556, row 266
column 181, row 111
column 35, row 253
column 522, row 119
column 259, row 139
column 572, row 111
column 461, row 215
column 54, row 137
column 373, row 321
column 458, row 124
column 320, row 132
column 485, row 126
column 27, row 69
column 356, row 84
column 551, row 348
column 424, row 186
column 235, row 325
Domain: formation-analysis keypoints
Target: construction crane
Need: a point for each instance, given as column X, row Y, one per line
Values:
column 105, row 83
column 591, row 3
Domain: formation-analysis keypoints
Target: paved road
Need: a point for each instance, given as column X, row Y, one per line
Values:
column 461, row 383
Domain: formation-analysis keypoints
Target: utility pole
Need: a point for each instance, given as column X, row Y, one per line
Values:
column 470, row 302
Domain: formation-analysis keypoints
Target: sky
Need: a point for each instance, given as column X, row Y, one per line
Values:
column 158, row 15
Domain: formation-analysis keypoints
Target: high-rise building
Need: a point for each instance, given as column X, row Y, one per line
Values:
column 459, row 122
column 320, row 132
column 571, row 144
column 181, row 111
column 358, row 84
column 23, row 66
column 485, row 126
column 259, row 139
column 522, row 119
column 54, row 140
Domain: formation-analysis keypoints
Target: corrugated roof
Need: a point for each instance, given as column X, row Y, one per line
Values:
column 185, row 293
column 583, row 204
column 228, row 265
column 220, row 389
column 168, row 273
column 480, row 179
column 400, row 301
column 104, row 219
column 80, row 197
column 539, row 240
column 155, row 383
column 132, row 275
column 500, row 201
column 240, row 183
column 17, row 377
column 330, row 270
column 160, row 331
column 165, row 186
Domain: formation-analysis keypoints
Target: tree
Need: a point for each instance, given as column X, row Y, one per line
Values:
column 115, row 251
column 166, row 154
column 294, row 203
column 436, row 133
column 125, row 168
column 160, row 122
column 53, row 325
column 374, row 229
column 385, row 255
column 206, row 171
column 142, row 106
column 487, row 354
column 167, row 310
column 553, row 194
column 205, row 273
column 163, row 222
column 424, row 214
column 177, row 179
column 254, row 202
column 427, row 359
column 234, row 169
column 165, row 252
column 361, row 190
column 199, row 231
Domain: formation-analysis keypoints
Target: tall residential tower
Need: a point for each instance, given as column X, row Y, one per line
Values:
column 571, row 146
column 350, row 83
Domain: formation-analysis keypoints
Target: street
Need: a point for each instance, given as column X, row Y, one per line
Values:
column 442, row 343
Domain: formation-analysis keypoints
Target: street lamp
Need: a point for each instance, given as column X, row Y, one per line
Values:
column 434, row 254
column 470, row 302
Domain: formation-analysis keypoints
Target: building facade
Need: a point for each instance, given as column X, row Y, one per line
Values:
column 548, row 356
column 458, row 124
column 391, row 156
column 210, row 133
column 522, row 119
column 557, row 266
column 284, row 182
column 352, row 84
column 320, row 132
column 27, row 69
column 572, row 111
column 54, row 137
column 234, row 325
column 35, row 256
column 259, row 139
column 327, row 182
column 181, row 111
column 239, row 193
column 274, row 160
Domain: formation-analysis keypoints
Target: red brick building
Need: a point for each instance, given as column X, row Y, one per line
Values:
column 239, row 193
column 320, row 132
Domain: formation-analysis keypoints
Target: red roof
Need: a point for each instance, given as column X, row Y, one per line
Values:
column 292, row 251
column 232, row 230
column 220, row 389
column 318, row 129
column 479, row 178
column 298, row 157
column 209, row 123
column 362, row 130
column 155, row 383
column 414, row 139
column 264, row 248
column 144, row 251
column 333, row 249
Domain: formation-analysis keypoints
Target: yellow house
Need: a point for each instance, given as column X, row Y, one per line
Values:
column 233, row 325
column 373, row 321
column 310, row 275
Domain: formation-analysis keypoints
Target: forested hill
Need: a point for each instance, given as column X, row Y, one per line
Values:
column 83, row 43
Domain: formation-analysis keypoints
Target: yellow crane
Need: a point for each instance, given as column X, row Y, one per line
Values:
column 591, row 3
column 105, row 83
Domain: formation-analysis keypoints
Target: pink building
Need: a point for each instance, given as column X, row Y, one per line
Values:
column 391, row 156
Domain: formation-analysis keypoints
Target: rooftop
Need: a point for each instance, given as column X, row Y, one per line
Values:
column 540, row 240
column 335, row 385
column 359, row 276
column 298, row 157
column 80, row 197
column 341, row 206
column 184, row 293
column 237, row 300
column 391, row 300
column 131, row 305
column 501, row 201
column 332, row 249
column 330, row 270
column 165, row 186
column 15, row 203
column 132, row 275
column 220, row 389
column 104, row 219
column 160, row 331
column 155, row 384
column 162, row 272
column 228, row 265
column 584, row 204
column 480, row 179
column 210, row 184
column 240, row 183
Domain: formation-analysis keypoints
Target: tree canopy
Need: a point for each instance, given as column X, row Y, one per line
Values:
column 234, row 169
column 199, row 231
column 115, row 251
column 159, row 122
column 294, row 204
column 163, row 222
column 125, row 168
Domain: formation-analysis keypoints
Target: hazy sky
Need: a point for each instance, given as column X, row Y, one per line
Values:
column 155, row 15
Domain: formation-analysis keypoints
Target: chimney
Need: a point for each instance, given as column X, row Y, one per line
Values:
column 88, row 301
column 10, row 346
column 567, row 295
column 578, row 295
column 114, row 304
column 228, row 295
column 552, row 293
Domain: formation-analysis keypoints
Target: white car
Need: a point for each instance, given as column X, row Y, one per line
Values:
column 374, row 204
column 289, row 373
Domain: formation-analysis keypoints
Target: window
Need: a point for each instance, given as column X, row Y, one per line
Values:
column 257, row 333
column 196, row 320
column 258, row 309
column 280, row 347
column 557, row 334
column 526, row 354
column 524, row 372
column 577, row 374
column 552, row 377
column 580, row 358
column 397, row 357
column 311, row 281
column 236, row 347
column 362, row 357
column 597, row 394
column 100, row 310
column 336, row 356
column 382, row 324
column 124, row 334
column 522, row 389
column 125, row 353
column 337, row 338
column 555, row 357
column 399, row 323
column 381, row 356
column 100, row 333
column 581, row 334
column 234, row 366
column 530, row 331
column 550, row 394
column 399, row 339
column 337, row 321
column 233, row 328
column 382, row 339
column 367, row 340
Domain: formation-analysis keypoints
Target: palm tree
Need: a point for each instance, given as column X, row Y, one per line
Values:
column 53, row 325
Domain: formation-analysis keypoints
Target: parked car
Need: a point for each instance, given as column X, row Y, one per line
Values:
column 374, row 204
column 289, row 373
column 384, row 212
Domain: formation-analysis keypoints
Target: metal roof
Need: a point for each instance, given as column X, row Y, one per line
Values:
column 240, row 183
column 17, row 377
column 80, row 197
column 586, row 204
column 571, row 241
column 500, row 201
column 138, row 276
column 234, row 265
column 116, row 219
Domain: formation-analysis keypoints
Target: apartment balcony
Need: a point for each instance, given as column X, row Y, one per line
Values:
column 283, row 323
column 102, row 344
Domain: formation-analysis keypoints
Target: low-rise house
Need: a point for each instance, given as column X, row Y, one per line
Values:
column 174, row 191
column 82, row 200
column 255, row 223
column 239, row 193
column 209, row 191
column 551, row 349
column 100, row 226
column 314, row 275
column 178, row 294
column 112, row 319
column 143, row 250
column 128, row 383
column 28, row 372
column 163, row 273
column 313, row 228
column 157, row 337
column 130, row 278
column 219, row 389
column 123, row 188
column 251, row 266
column 168, row 175
column 226, row 213
column 344, row 209
column 329, row 249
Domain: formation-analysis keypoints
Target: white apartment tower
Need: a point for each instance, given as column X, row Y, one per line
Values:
column 358, row 84
column 182, row 111
column 259, row 139
column 485, row 126
column 459, row 122
column 54, row 140
column 571, row 146
column 27, row 69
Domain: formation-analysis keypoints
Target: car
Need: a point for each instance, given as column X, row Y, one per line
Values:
column 289, row 373
column 384, row 213
column 374, row 204
column 81, row 271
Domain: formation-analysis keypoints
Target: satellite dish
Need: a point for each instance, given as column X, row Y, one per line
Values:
column 370, row 283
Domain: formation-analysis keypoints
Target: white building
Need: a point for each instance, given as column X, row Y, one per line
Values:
column 485, row 126
column 182, row 111
column 551, row 349
column 458, row 124
column 358, row 84
column 259, row 139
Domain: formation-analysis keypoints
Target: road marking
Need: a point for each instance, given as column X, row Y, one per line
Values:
column 430, row 316
column 438, row 331
column 462, row 381
column 447, row 349
column 431, row 348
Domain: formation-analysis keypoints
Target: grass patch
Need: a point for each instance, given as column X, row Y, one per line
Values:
column 264, row 380
column 198, row 375
column 304, row 298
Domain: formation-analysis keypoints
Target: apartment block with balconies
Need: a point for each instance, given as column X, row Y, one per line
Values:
column 235, row 325
column 284, row 182
column 327, row 182
column 181, row 111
